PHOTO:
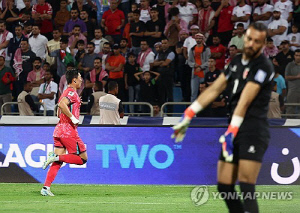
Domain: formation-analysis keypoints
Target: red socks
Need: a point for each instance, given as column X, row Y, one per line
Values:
column 71, row 158
column 52, row 173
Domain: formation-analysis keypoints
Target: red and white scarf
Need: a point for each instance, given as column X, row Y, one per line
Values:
column 3, row 39
column 204, row 18
column 141, row 59
column 102, row 75
column 18, row 62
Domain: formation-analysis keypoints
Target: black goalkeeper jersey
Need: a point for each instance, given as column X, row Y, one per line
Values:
column 259, row 70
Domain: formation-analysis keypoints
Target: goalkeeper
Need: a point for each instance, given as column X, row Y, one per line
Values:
column 248, row 77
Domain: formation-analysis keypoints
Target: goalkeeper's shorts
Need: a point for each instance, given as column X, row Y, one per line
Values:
column 251, row 142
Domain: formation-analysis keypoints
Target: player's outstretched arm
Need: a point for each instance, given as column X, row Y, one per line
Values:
column 63, row 105
column 249, row 93
column 208, row 96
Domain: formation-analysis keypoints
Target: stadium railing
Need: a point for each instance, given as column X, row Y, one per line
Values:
column 140, row 104
column 188, row 103
column 17, row 113
column 172, row 103
column 124, row 103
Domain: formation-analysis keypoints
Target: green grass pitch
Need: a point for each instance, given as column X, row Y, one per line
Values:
column 127, row 198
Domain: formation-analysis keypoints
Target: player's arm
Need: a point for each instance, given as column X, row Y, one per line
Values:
column 64, row 107
column 207, row 97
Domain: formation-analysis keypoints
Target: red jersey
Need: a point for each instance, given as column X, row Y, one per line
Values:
column 46, row 24
column 225, row 23
column 65, row 128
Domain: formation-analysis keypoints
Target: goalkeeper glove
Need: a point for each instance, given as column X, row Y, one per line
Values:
column 228, row 137
column 74, row 120
column 189, row 113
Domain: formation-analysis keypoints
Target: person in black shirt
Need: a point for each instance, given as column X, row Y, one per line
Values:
column 148, row 92
column 90, row 25
column 284, row 57
column 213, row 73
column 11, row 15
column 131, row 83
column 154, row 28
column 248, row 78
column 136, row 32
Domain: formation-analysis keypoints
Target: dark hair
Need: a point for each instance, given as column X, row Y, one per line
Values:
column 35, row 25
column 124, row 39
column 28, row 23
column 211, row 57
column 240, row 25
column 131, row 54
column 107, row 43
column 144, row 40
column 2, row 22
column 269, row 39
column 80, row 42
column 98, row 28
column 112, row 85
column 174, row 11
column 99, row 85
column 71, row 64
column 76, row 25
column 38, row 59
column 85, row 10
column 234, row 46
column 216, row 35
column 71, row 74
column 154, row 9
column 74, row 8
column 136, row 12
column 18, row 26
column 64, row 40
column 259, row 26
column 25, row 39
column 91, row 43
column 26, row 83
column 297, row 51
column 64, row 0
column 46, row 63
column 98, row 58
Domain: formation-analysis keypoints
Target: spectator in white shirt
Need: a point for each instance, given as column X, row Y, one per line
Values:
column 187, row 11
column 277, row 29
column 294, row 38
column 5, row 37
column 38, row 42
column 286, row 9
column 47, row 93
column 146, row 56
column 241, row 14
column 190, row 41
column 145, row 11
column 263, row 12
column 98, row 40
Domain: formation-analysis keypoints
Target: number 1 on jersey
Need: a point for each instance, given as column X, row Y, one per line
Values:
column 235, row 86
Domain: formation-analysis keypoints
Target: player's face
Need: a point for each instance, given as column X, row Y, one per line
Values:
column 254, row 41
column 78, row 81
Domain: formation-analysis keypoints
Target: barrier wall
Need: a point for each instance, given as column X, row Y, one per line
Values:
column 140, row 155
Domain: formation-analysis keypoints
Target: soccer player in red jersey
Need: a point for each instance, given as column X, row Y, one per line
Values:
column 65, row 134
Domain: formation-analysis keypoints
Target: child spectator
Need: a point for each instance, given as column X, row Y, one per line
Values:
column 294, row 38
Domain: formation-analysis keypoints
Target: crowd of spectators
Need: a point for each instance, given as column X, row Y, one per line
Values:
column 146, row 46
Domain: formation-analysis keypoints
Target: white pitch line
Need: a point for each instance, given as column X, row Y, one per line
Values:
column 83, row 202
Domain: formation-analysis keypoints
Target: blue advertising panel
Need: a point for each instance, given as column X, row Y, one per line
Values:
column 142, row 155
